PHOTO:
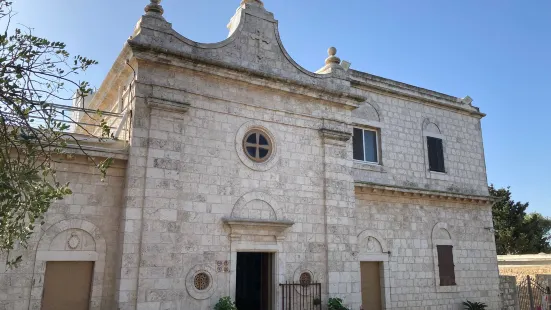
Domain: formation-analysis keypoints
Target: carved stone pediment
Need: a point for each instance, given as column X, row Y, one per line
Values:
column 255, row 227
column 166, row 105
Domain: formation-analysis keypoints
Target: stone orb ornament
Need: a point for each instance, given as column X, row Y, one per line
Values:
column 154, row 7
column 332, row 59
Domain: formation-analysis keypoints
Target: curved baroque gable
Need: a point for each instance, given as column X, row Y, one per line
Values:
column 254, row 45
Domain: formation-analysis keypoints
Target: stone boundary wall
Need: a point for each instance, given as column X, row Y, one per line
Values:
column 544, row 279
column 520, row 272
column 508, row 292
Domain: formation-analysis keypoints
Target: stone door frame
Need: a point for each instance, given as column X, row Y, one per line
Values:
column 43, row 255
column 382, row 257
column 259, row 247
column 385, row 280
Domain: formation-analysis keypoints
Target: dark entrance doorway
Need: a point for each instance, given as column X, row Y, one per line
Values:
column 254, row 283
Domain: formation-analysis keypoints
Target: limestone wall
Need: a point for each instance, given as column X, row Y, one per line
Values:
column 188, row 172
column 188, row 177
column 403, row 125
column 411, row 227
column 509, row 293
column 91, row 215
column 544, row 279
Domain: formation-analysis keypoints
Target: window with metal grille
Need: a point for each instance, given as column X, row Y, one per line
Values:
column 365, row 145
column 201, row 281
column 446, row 265
column 305, row 279
column 436, row 154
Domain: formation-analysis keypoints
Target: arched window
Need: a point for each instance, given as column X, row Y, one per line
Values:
column 443, row 254
column 434, row 146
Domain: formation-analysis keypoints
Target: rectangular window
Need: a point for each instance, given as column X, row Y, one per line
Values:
column 365, row 145
column 436, row 154
column 446, row 266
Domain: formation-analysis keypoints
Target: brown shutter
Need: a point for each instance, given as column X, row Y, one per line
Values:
column 358, row 144
column 440, row 155
column 446, row 266
column 436, row 154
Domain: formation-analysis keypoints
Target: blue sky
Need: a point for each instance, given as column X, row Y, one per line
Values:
column 496, row 51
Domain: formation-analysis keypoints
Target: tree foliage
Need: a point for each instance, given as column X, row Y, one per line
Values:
column 516, row 231
column 35, row 73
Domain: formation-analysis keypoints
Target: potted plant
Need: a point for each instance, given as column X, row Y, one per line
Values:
column 225, row 303
column 475, row 305
column 317, row 301
column 335, row 304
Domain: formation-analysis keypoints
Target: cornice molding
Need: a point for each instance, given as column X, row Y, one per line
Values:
column 240, row 227
column 168, row 105
column 381, row 189
column 427, row 97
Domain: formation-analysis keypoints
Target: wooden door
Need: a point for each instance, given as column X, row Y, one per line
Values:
column 371, row 285
column 67, row 285
column 266, row 281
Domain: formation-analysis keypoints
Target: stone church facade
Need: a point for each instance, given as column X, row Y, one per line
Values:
column 238, row 159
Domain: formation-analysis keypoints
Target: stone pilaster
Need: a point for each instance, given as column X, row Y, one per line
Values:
column 131, row 226
column 342, row 266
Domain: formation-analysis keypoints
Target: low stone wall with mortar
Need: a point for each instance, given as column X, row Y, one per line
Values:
column 508, row 293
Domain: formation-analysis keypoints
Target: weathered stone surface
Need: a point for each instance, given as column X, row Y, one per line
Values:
column 88, row 221
column 191, row 198
column 509, row 293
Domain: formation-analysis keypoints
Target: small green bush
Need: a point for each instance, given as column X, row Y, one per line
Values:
column 475, row 305
column 225, row 303
column 317, row 301
column 336, row 304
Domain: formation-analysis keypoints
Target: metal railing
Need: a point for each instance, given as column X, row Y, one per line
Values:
column 533, row 295
column 117, row 118
column 300, row 296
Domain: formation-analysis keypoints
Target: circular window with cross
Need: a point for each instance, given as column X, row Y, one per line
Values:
column 257, row 145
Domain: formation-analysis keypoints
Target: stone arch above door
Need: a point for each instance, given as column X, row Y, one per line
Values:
column 371, row 242
column 257, row 205
column 52, row 233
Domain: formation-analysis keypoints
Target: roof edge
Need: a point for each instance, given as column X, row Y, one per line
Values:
column 359, row 78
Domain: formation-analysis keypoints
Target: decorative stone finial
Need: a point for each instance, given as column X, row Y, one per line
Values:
column 252, row 1
column 154, row 7
column 467, row 100
column 332, row 59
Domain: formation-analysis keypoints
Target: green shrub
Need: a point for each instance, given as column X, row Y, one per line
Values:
column 225, row 303
column 317, row 301
column 474, row 305
column 335, row 304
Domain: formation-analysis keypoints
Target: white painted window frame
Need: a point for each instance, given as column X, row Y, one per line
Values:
column 377, row 148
